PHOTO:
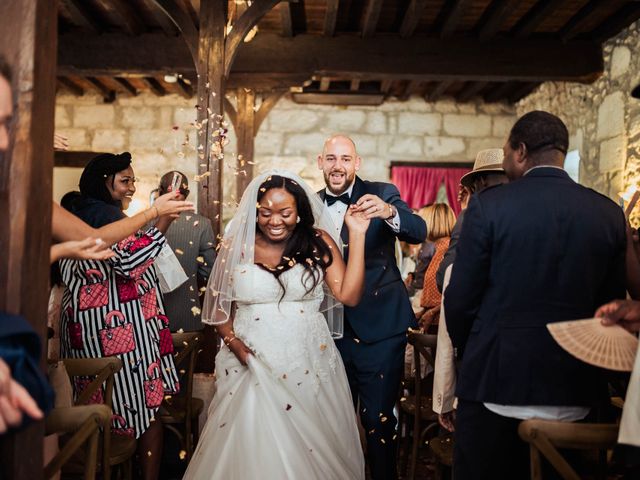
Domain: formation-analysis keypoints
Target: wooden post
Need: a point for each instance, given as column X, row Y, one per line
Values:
column 211, row 88
column 28, row 39
column 245, row 133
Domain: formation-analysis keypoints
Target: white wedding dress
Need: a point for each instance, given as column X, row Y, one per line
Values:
column 289, row 413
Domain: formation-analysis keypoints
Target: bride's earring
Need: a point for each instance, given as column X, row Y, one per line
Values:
column 298, row 219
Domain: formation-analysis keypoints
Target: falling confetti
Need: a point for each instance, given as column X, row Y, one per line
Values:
column 195, row 311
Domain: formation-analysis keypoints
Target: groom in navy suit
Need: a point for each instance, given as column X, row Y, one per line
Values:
column 375, row 331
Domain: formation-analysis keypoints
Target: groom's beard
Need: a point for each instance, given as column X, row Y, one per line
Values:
column 341, row 188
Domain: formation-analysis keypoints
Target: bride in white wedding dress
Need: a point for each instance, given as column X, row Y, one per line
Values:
column 283, row 408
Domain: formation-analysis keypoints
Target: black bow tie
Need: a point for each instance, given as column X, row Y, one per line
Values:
column 331, row 199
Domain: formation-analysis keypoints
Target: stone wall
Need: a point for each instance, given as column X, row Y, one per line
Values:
column 160, row 133
column 603, row 120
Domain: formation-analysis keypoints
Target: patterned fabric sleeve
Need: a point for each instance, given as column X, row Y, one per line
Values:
column 136, row 251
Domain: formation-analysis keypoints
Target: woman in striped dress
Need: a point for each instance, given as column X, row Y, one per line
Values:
column 114, row 308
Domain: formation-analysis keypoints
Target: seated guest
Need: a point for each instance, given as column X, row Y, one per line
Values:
column 191, row 238
column 538, row 250
column 440, row 220
column 114, row 307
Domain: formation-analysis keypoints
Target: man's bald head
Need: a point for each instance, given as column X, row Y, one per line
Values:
column 339, row 163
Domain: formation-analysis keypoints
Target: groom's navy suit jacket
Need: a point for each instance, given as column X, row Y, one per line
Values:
column 541, row 249
column 384, row 310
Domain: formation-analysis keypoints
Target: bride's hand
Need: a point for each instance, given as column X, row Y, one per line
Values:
column 240, row 350
column 356, row 221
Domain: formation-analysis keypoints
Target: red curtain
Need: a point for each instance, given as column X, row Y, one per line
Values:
column 419, row 185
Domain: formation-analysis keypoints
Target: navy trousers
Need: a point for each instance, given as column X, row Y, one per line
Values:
column 374, row 371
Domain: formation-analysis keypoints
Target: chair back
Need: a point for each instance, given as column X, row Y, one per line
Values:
column 546, row 436
column 421, row 342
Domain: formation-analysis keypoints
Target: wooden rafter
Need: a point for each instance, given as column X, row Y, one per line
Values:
column 301, row 57
column 470, row 90
column 411, row 88
column 162, row 19
column 521, row 90
column 285, row 19
column 354, row 86
column 575, row 23
column 127, row 86
column 385, row 86
column 499, row 92
column 345, row 99
column 331, row 17
column 534, row 17
column 411, row 17
column 450, row 17
column 624, row 17
column 108, row 94
column 371, row 17
column 123, row 13
column 155, row 86
column 325, row 84
column 438, row 90
column 82, row 16
column 183, row 22
column 71, row 86
column 494, row 17
column 240, row 29
column 184, row 88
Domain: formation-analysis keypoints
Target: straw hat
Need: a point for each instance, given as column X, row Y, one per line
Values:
column 610, row 347
column 489, row 160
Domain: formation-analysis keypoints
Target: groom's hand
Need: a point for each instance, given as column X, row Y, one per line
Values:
column 373, row 206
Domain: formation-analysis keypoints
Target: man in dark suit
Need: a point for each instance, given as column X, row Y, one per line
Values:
column 537, row 250
column 375, row 331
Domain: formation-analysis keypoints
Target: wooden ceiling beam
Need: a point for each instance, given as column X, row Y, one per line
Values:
column 411, row 88
column 534, row 17
column 107, row 94
column 450, row 16
column 155, row 86
column 285, row 19
column 183, row 21
column 331, row 18
column 575, row 23
column 371, row 17
column 411, row 17
column 241, row 28
column 385, row 86
column 620, row 20
column 379, row 58
column 470, row 90
column 185, row 89
column 438, row 90
column 499, row 92
column 161, row 18
column 124, row 14
column 231, row 112
column 338, row 98
column 521, row 90
column 82, row 16
column 325, row 84
column 124, row 83
column 354, row 86
column 71, row 86
column 494, row 17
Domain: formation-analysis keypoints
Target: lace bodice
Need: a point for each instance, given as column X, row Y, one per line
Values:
column 289, row 333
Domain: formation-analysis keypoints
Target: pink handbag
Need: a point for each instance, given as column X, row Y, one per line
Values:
column 94, row 295
column 82, row 383
column 122, row 429
column 148, row 300
column 153, row 389
column 133, row 243
column 166, row 342
column 74, row 331
column 116, row 340
column 127, row 289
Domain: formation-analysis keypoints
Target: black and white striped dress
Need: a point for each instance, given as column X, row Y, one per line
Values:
column 114, row 308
